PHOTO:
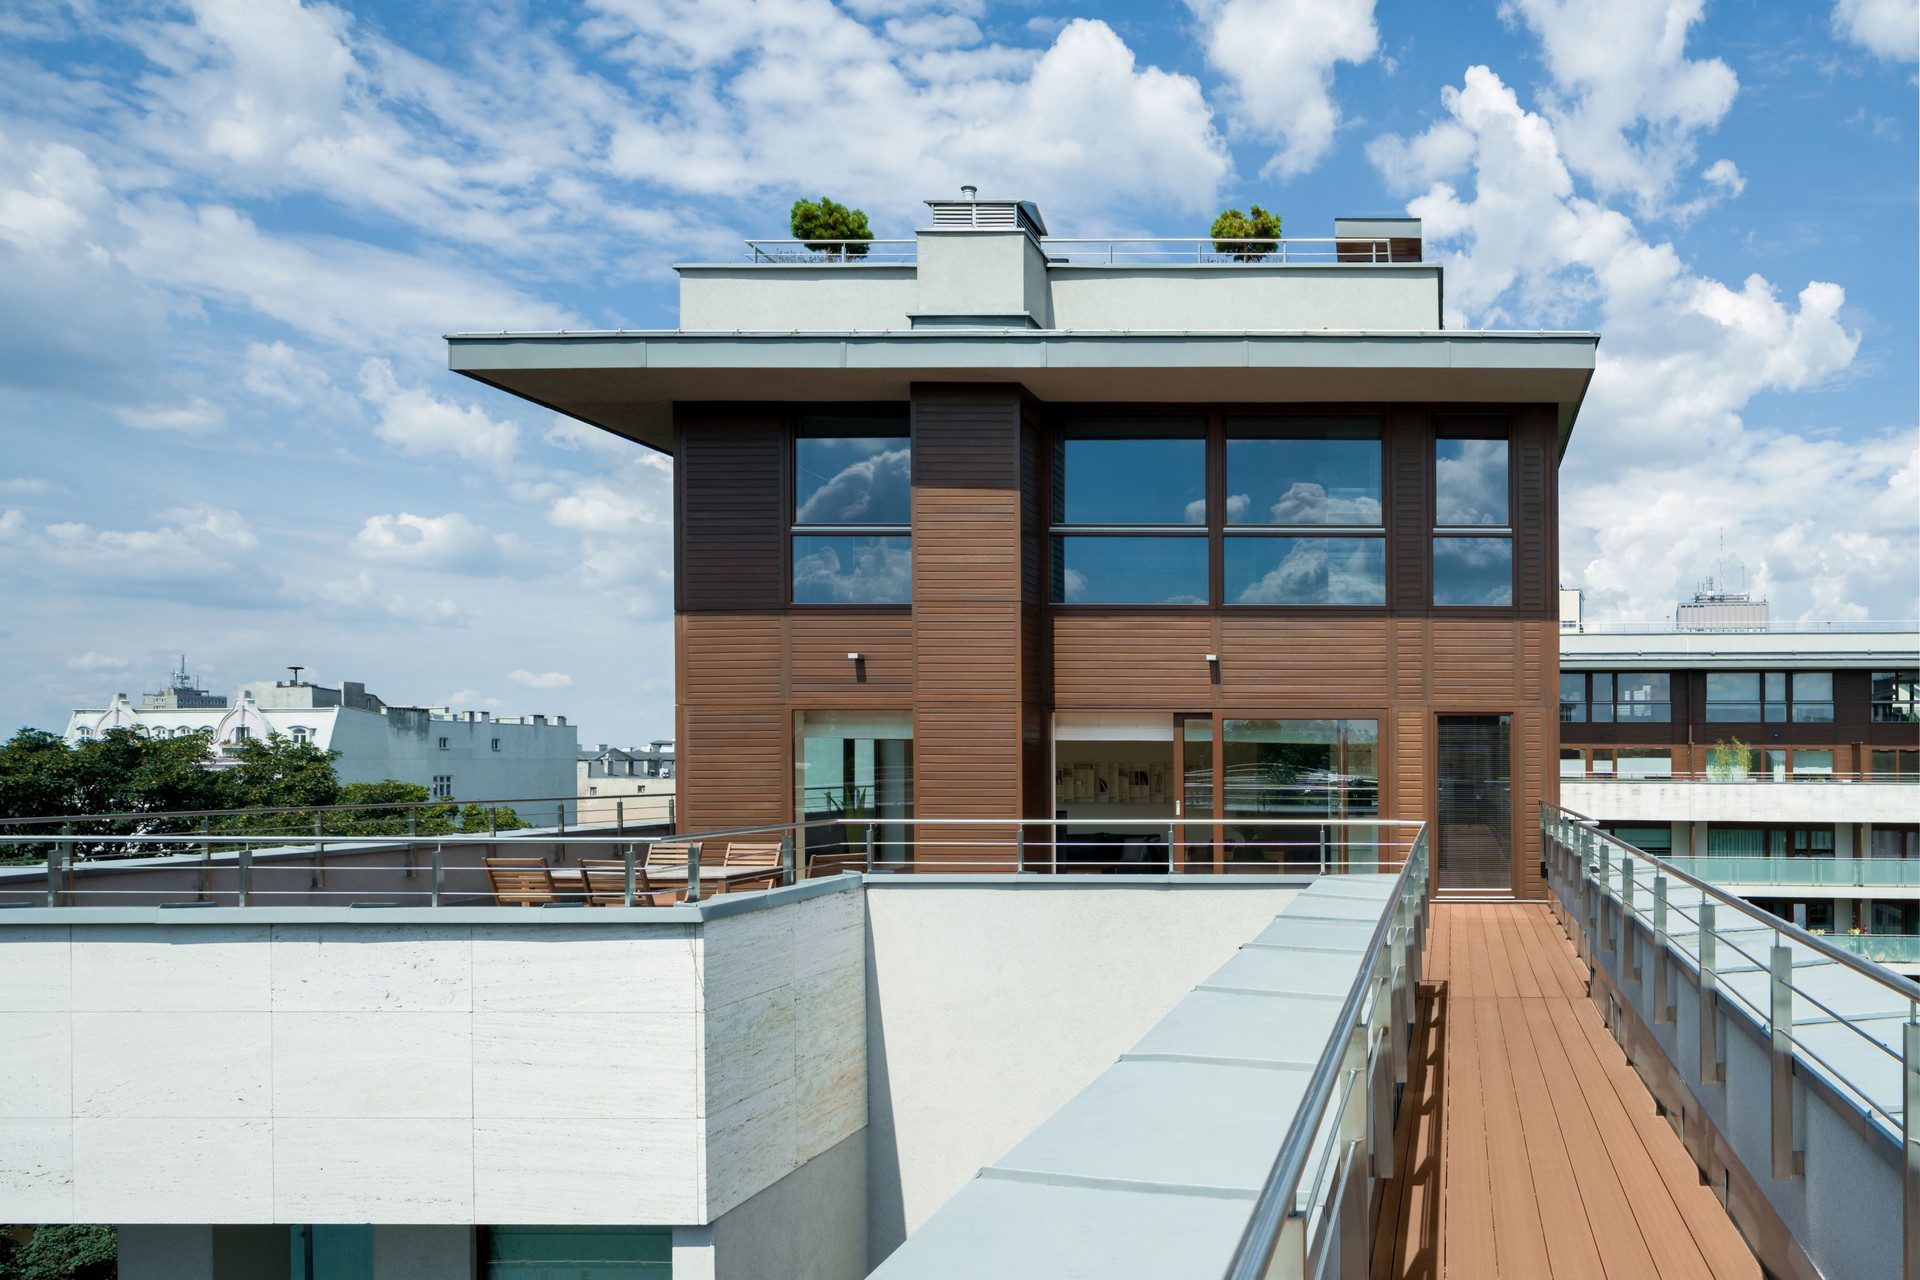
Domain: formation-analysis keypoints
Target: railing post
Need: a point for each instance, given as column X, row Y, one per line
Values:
column 1786, row 1161
column 493, row 824
column 58, row 852
column 1910, row 1146
column 1604, row 883
column 439, row 873
column 1662, row 1006
column 626, row 897
column 671, row 820
column 560, row 818
column 1629, row 940
column 413, row 824
column 619, row 817
column 869, row 834
column 1711, row 1071
column 788, row 871
column 1173, row 850
column 693, row 871
column 1020, row 850
column 243, row 875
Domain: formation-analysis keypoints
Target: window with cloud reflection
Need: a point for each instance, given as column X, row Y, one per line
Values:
column 1469, row 483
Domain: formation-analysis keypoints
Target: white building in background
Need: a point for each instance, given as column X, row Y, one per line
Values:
column 464, row 755
column 634, row 784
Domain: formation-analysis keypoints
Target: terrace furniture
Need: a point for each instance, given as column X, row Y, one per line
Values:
column 520, row 882
column 761, row 855
column 605, row 880
column 669, row 853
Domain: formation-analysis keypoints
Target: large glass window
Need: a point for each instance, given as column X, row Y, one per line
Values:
column 1770, row 697
column 1130, row 512
column 852, row 499
column 1896, row 697
column 1115, row 783
column 1319, row 475
column 1299, row 769
column 853, row 772
column 1604, row 697
column 1473, row 542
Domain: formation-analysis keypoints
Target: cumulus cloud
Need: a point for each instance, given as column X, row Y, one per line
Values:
column 361, row 596
column 197, row 544
column 541, row 680
column 197, row 417
column 1626, row 102
column 451, row 543
column 420, row 422
column 1887, row 28
column 1278, row 57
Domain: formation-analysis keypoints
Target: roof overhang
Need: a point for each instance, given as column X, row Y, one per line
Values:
column 628, row 382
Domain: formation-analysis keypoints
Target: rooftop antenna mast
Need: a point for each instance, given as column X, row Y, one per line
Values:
column 296, row 674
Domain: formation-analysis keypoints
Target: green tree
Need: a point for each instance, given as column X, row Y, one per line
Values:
column 474, row 817
column 427, row 820
column 1258, row 225
column 820, row 223
column 276, row 772
column 73, row 1252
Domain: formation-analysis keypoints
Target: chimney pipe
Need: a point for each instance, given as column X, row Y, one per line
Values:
column 970, row 192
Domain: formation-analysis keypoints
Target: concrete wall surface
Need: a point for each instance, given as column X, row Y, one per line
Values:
column 1782, row 802
column 811, row 1225
column 428, row 1074
column 990, row 1004
column 1233, row 298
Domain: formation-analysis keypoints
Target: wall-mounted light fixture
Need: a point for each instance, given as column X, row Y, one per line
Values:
column 854, row 657
column 1213, row 657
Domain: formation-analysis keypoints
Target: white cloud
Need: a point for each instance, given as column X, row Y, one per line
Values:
column 542, row 680
column 1888, row 28
column 197, row 417
column 451, row 543
column 92, row 660
column 1278, row 57
column 1626, row 102
column 12, row 521
column 362, row 596
column 195, row 544
column 26, row 484
column 420, row 422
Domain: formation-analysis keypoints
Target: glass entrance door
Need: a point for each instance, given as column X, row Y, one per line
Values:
column 854, row 779
column 1197, row 838
column 1476, row 803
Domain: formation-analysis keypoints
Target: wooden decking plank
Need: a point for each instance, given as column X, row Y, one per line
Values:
column 1499, row 957
column 1407, row 1237
column 1573, row 1249
column 1615, row 1140
column 1521, row 947
column 1466, row 1215
column 1719, row 1241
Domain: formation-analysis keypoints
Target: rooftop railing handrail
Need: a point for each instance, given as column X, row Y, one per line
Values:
column 1276, row 1201
column 1861, row 626
column 1850, row 776
column 1906, row 988
column 309, row 809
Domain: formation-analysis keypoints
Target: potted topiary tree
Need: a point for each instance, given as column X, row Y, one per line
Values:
column 827, row 226
column 1232, row 229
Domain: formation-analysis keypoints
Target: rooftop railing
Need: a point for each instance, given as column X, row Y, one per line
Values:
column 1098, row 250
column 1312, row 1217
column 550, row 866
column 1757, row 777
column 1820, row 872
column 1828, row 1018
column 1850, row 626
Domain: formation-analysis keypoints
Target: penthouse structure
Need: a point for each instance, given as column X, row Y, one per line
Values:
column 1143, row 539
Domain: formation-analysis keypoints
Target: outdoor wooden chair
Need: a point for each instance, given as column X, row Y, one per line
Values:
column 742, row 854
column 520, row 882
column 606, row 885
column 669, row 853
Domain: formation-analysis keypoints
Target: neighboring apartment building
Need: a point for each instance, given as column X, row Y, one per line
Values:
column 989, row 525
column 465, row 755
column 626, row 784
column 1769, row 751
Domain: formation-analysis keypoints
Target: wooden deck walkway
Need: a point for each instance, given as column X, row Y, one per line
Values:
column 1531, row 1151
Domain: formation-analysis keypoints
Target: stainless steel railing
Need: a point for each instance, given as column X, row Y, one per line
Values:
column 1609, row 893
column 1304, row 1222
column 1096, row 250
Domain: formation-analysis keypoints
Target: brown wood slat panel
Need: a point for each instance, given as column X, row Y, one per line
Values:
column 1266, row 661
column 820, row 642
column 1108, row 660
column 733, row 767
column 1409, row 452
column 1473, row 660
column 730, row 494
column 967, row 764
column 1538, row 762
column 1535, row 457
column 730, row 657
column 968, row 653
column 1411, row 659
column 1410, row 783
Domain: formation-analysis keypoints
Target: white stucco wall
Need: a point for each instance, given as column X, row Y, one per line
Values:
column 991, row 1004
column 1839, row 802
column 1236, row 298
column 849, row 298
column 216, row 1072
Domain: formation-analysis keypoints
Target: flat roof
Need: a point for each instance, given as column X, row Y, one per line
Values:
column 627, row 381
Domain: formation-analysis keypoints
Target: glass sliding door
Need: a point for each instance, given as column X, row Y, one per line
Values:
column 1116, row 783
column 1199, row 839
column 1319, row 774
column 853, row 771
column 1476, row 803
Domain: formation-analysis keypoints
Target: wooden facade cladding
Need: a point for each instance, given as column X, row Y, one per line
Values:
column 982, row 661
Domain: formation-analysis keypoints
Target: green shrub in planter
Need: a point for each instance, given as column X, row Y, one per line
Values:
column 1258, row 225
column 819, row 223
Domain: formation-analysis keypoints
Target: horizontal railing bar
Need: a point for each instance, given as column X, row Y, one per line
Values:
column 323, row 809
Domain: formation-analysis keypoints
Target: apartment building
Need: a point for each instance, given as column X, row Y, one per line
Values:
column 1142, row 540
column 1778, row 758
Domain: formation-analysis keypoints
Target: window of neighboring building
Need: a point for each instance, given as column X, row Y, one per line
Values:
column 496, row 744
column 1303, row 512
column 1657, row 841
column 442, row 786
column 1812, row 765
column 1130, row 512
column 1895, row 763
column 1772, row 697
column 1770, row 842
column 1627, row 763
column 1573, row 762
column 301, row 734
column 443, row 744
column 1894, row 841
column 1896, row 697
column 853, row 503
column 1473, row 539
column 1604, row 697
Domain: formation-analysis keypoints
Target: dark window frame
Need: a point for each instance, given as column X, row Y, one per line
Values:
column 1894, row 709
column 898, row 419
column 1613, row 702
column 1786, row 702
column 1471, row 426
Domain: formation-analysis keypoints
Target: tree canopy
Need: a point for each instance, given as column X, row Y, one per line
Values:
column 821, row 222
column 1257, row 225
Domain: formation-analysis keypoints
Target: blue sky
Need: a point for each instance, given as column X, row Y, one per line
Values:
column 232, row 233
